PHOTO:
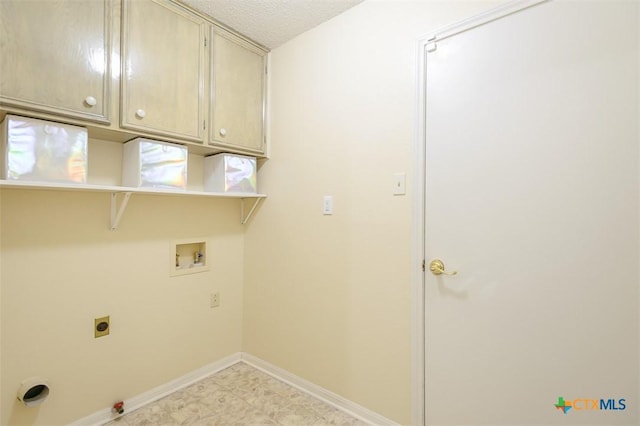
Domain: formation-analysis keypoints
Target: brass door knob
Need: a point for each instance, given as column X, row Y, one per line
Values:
column 436, row 266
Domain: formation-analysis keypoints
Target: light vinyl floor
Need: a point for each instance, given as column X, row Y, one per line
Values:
column 239, row 395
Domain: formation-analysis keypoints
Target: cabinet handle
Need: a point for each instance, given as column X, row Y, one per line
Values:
column 223, row 132
column 91, row 101
column 141, row 113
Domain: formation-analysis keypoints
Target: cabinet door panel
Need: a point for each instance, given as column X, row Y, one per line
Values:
column 55, row 56
column 237, row 113
column 163, row 70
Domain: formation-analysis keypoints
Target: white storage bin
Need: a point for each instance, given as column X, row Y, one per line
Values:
column 155, row 164
column 39, row 150
column 230, row 173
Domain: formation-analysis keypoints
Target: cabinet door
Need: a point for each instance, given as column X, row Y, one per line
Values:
column 54, row 56
column 237, row 98
column 163, row 48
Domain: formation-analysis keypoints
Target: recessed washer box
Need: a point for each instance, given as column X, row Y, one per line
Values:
column 230, row 173
column 44, row 151
column 154, row 164
column 188, row 256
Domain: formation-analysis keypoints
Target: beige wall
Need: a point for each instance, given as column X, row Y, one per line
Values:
column 62, row 267
column 328, row 297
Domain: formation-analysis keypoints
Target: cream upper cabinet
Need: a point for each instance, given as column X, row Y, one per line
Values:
column 238, row 71
column 54, row 57
column 163, row 69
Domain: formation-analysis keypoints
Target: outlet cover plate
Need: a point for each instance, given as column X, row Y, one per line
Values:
column 215, row 300
column 98, row 329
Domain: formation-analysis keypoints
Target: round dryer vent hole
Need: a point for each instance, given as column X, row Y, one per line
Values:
column 33, row 391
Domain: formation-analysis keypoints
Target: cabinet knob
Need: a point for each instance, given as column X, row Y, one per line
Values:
column 141, row 113
column 223, row 132
column 91, row 101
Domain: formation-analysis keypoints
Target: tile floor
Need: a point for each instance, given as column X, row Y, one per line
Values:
column 239, row 395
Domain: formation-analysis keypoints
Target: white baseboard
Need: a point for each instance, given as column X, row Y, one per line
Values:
column 106, row 415
column 318, row 392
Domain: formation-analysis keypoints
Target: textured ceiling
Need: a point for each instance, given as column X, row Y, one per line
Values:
column 271, row 22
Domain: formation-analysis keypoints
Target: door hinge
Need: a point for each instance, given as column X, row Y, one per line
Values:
column 204, row 125
column 205, row 42
column 424, row 265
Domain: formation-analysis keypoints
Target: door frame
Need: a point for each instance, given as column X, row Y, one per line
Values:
column 418, row 274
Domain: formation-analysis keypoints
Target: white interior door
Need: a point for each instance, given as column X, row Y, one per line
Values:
column 532, row 191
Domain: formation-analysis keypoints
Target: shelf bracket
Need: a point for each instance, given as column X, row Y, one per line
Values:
column 117, row 212
column 245, row 218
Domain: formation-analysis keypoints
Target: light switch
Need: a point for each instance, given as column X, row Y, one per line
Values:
column 327, row 205
column 399, row 183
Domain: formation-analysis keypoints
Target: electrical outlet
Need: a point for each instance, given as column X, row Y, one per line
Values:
column 215, row 300
column 101, row 327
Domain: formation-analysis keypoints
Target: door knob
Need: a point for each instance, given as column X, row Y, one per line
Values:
column 436, row 266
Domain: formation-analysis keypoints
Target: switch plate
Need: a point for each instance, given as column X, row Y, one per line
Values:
column 215, row 300
column 399, row 183
column 327, row 205
column 99, row 330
